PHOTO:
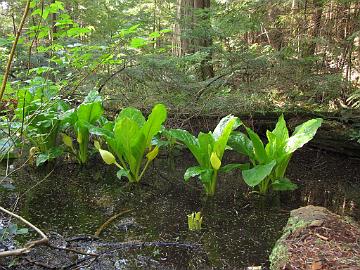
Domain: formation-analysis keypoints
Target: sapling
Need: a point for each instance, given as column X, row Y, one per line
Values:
column 81, row 120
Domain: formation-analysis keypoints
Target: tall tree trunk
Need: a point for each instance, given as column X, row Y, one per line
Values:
column 203, row 40
column 182, row 29
column 192, row 32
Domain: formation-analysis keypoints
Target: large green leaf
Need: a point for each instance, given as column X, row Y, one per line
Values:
column 206, row 176
column 101, row 131
column 192, row 172
column 133, row 114
column 206, row 144
column 283, row 184
column 91, row 109
column 230, row 167
column 257, row 174
column 222, row 125
column 127, row 130
column 241, row 144
column 302, row 134
column 259, row 150
column 271, row 146
column 153, row 124
column 49, row 155
column 277, row 139
column 189, row 140
column 281, row 132
column 68, row 117
column 89, row 112
column 123, row 172
column 228, row 123
column 281, row 165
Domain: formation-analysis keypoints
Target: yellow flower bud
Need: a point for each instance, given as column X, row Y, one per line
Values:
column 215, row 161
column 152, row 154
column 107, row 157
column 67, row 140
column 33, row 151
column 97, row 145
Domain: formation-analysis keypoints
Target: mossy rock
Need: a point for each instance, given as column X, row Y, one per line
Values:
column 312, row 239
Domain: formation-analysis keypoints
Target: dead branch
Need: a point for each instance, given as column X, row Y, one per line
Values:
column 103, row 226
column 29, row 245
column 136, row 244
column 73, row 250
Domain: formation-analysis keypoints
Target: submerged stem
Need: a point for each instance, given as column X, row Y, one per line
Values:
column 143, row 171
column 211, row 187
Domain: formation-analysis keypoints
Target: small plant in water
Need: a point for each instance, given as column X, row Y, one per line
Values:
column 130, row 140
column 38, row 117
column 81, row 120
column 269, row 162
column 208, row 149
column 195, row 221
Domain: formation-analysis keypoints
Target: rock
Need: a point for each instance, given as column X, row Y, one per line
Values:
column 315, row 238
column 127, row 223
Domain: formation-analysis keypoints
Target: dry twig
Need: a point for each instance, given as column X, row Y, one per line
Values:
column 103, row 226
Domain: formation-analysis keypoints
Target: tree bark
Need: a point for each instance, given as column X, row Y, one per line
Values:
column 184, row 19
column 192, row 32
column 204, row 39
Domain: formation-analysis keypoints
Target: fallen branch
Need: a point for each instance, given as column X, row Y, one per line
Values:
column 135, row 244
column 74, row 250
column 103, row 226
column 29, row 245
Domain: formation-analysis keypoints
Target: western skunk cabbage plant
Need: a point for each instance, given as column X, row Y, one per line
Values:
column 208, row 149
column 81, row 120
column 129, row 139
column 195, row 221
column 38, row 116
column 269, row 162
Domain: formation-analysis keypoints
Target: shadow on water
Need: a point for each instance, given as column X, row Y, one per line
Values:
column 239, row 228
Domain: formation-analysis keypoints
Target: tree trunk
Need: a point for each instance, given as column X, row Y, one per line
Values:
column 203, row 40
column 182, row 29
column 192, row 32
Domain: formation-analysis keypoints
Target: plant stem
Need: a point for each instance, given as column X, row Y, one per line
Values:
column 12, row 52
column 143, row 171
column 212, row 187
column 83, row 146
column 264, row 186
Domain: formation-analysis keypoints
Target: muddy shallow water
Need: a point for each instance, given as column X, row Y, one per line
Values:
column 239, row 228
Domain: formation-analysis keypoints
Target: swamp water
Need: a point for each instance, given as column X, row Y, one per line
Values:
column 239, row 229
